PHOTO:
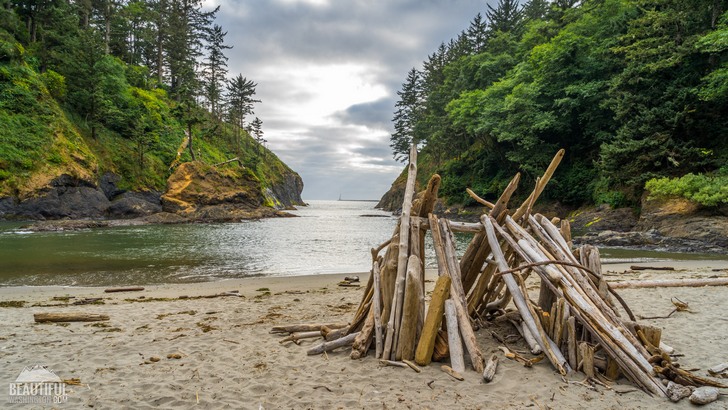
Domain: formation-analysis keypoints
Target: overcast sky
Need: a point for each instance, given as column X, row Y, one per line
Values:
column 328, row 72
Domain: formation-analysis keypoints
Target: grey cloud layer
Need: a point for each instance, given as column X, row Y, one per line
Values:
column 385, row 37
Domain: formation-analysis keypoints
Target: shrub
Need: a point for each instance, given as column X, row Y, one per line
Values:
column 55, row 83
column 703, row 189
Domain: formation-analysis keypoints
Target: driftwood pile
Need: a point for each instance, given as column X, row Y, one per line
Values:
column 576, row 323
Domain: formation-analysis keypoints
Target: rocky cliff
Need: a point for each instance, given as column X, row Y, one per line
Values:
column 200, row 192
column 195, row 191
column 54, row 166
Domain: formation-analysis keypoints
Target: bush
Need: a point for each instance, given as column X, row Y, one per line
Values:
column 703, row 189
column 55, row 83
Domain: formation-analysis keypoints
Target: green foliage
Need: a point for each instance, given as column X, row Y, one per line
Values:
column 55, row 83
column 715, row 84
column 632, row 89
column 703, row 189
column 10, row 50
column 68, row 106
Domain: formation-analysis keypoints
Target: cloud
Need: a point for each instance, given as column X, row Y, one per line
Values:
column 328, row 72
column 374, row 114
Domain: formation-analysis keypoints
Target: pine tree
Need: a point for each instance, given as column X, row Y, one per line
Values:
column 215, row 69
column 506, row 17
column 188, row 27
column 535, row 9
column 239, row 102
column 407, row 114
column 477, row 34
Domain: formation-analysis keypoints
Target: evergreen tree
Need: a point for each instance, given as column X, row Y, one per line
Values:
column 215, row 69
column 477, row 34
column 256, row 131
column 506, row 17
column 408, row 113
column 535, row 9
column 239, row 102
column 188, row 27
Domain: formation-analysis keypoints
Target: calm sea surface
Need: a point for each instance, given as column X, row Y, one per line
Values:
column 327, row 237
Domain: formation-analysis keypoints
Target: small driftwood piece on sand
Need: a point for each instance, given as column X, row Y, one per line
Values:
column 404, row 364
column 635, row 267
column 490, row 367
column 69, row 317
column 306, row 327
column 385, row 362
column 333, row 334
column 334, row 344
column 295, row 337
column 669, row 283
column 527, row 336
column 455, row 375
column 129, row 289
column 412, row 366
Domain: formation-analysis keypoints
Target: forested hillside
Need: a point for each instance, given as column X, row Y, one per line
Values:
column 636, row 91
column 91, row 88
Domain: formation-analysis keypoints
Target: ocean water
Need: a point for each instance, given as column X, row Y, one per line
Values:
column 326, row 237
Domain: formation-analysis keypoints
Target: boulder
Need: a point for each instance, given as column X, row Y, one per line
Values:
column 107, row 183
column 135, row 204
column 677, row 392
column 704, row 395
column 66, row 197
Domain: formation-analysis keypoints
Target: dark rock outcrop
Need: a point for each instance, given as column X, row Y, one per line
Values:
column 392, row 199
column 65, row 197
column 135, row 204
column 196, row 192
column 675, row 224
column 108, row 182
column 602, row 218
column 288, row 192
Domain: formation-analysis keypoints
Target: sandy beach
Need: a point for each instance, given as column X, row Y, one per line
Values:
column 162, row 351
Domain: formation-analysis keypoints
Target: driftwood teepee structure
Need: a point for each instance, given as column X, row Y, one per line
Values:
column 575, row 323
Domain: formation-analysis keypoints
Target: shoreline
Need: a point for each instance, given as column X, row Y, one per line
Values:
column 248, row 285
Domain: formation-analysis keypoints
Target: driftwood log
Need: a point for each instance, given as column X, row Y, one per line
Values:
column 69, row 317
column 669, row 283
column 334, row 344
column 457, row 360
column 433, row 320
column 306, row 327
column 130, row 289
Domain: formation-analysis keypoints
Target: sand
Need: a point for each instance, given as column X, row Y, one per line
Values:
column 228, row 358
